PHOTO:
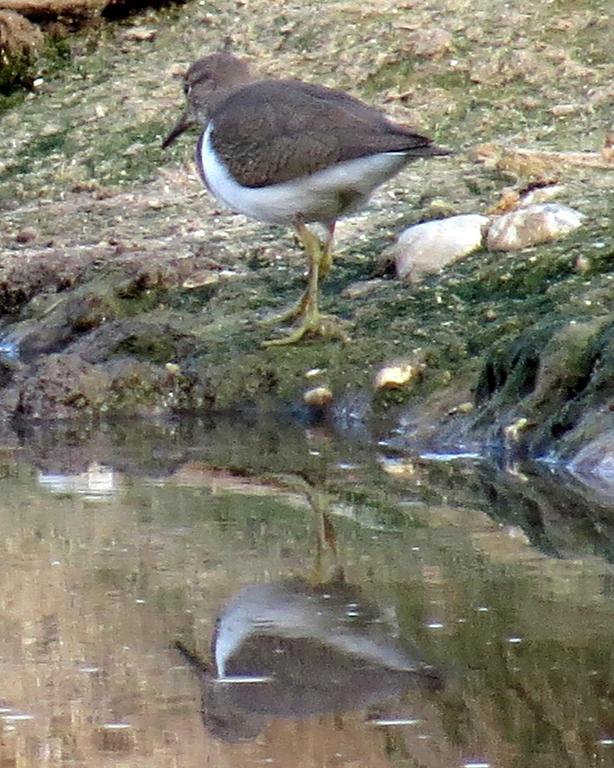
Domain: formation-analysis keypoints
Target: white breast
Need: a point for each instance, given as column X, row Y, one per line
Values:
column 316, row 197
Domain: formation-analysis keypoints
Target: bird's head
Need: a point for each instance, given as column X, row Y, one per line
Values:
column 207, row 81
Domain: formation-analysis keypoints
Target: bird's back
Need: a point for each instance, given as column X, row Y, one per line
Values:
column 274, row 131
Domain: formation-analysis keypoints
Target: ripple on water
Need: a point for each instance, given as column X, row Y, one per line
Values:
column 9, row 348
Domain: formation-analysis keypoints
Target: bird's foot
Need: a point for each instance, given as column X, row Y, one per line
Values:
column 314, row 324
column 290, row 315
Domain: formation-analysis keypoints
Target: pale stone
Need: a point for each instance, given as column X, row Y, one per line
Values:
column 532, row 225
column 361, row 288
column 318, row 397
column 582, row 264
column 429, row 43
column 564, row 110
column 513, row 431
column 201, row 278
column 426, row 249
column 178, row 70
column 313, row 373
column 26, row 235
column 140, row 34
column 396, row 375
column 541, row 195
column 50, row 129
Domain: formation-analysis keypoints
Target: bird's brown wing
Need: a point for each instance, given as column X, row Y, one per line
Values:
column 274, row 131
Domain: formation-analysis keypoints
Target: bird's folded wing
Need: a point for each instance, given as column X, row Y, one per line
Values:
column 269, row 135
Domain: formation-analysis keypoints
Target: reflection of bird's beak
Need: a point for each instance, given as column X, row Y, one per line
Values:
column 184, row 122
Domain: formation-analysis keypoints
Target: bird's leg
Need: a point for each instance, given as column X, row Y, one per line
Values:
column 307, row 306
column 326, row 261
column 313, row 323
column 296, row 310
column 326, row 561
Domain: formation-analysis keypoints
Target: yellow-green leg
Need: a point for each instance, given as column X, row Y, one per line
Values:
column 326, row 563
column 313, row 323
column 290, row 315
column 326, row 260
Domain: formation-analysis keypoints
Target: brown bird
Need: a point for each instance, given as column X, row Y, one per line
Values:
column 291, row 649
column 288, row 152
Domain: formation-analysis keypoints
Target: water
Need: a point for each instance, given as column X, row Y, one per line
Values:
column 232, row 594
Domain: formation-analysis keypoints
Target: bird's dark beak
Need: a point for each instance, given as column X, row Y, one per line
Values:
column 184, row 122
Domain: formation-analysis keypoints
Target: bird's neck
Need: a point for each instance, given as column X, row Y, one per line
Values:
column 220, row 94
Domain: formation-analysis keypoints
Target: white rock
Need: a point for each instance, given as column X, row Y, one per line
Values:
column 318, row 397
column 541, row 195
column 531, row 225
column 426, row 248
column 140, row 34
column 398, row 374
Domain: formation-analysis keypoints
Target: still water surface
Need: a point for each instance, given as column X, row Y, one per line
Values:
column 225, row 594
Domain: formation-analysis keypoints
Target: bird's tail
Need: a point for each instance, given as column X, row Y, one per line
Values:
column 429, row 150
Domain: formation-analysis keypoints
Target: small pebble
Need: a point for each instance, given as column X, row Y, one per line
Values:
column 178, row 70
column 140, row 34
column 582, row 264
column 541, row 195
column 429, row 43
column 50, row 129
column 440, row 208
column 397, row 375
column 26, row 235
column 512, row 431
column 313, row 373
column 133, row 149
column 563, row 110
column 201, row 278
column 361, row 288
column 318, row 397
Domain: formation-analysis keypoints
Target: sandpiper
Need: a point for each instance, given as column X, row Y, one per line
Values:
column 289, row 152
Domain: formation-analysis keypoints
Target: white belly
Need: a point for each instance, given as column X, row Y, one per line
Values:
column 317, row 197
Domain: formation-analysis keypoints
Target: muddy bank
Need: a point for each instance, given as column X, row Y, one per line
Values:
column 125, row 290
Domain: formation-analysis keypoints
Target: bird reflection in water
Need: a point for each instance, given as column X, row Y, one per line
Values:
column 299, row 647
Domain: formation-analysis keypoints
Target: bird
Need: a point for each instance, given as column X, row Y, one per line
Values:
column 292, row 649
column 289, row 152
